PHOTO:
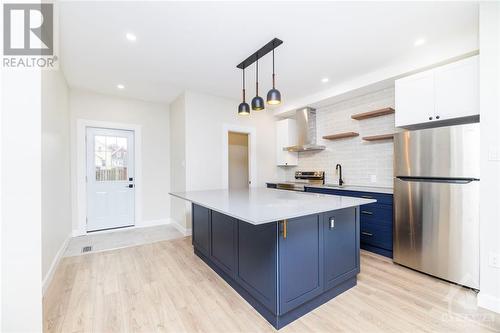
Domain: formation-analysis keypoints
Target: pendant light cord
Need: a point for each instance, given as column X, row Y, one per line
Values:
column 273, row 68
column 243, row 85
column 257, row 77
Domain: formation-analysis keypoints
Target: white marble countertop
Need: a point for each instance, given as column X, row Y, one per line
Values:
column 265, row 205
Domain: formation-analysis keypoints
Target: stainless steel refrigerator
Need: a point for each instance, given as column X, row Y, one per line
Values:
column 436, row 202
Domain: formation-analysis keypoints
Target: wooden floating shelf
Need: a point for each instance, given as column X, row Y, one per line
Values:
column 371, row 114
column 379, row 137
column 340, row 136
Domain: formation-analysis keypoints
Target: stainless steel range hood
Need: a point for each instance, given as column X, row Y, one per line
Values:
column 306, row 131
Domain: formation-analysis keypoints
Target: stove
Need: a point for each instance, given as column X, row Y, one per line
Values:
column 303, row 178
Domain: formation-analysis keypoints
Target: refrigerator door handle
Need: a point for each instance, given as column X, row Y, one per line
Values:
column 437, row 180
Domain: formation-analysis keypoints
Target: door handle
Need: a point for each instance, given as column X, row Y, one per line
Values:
column 366, row 212
column 130, row 186
column 367, row 196
column 332, row 223
column 366, row 233
column 437, row 180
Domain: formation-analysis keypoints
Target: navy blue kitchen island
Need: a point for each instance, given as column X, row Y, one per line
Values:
column 286, row 267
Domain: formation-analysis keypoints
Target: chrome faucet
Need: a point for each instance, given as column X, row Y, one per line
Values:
column 338, row 168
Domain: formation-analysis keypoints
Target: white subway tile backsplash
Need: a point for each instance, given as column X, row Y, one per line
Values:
column 360, row 159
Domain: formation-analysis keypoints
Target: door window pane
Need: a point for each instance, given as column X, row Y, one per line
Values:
column 111, row 158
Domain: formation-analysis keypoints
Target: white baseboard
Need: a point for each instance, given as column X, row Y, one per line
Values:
column 152, row 223
column 78, row 232
column 182, row 229
column 143, row 224
column 488, row 302
column 50, row 273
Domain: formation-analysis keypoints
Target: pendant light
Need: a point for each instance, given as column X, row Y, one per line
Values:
column 274, row 95
column 243, row 108
column 257, row 101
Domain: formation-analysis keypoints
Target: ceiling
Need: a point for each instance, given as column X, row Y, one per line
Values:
column 197, row 45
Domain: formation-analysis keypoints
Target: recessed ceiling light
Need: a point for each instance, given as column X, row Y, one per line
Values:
column 419, row 41
column 120, row 86
column 131, row 37
column 325, row 80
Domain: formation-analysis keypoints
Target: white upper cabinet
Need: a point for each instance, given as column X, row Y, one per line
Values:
column 457, row 89
column 440, row 94
column 286, row 136
column 414, row 99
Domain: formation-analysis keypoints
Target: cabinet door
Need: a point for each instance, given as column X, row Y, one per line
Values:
column 223, row 232
column 300, row 261
column 457, row 89
column 341, row 237
column 201, row 229
column 285, row 137
column 257, row 262
column 415, row 99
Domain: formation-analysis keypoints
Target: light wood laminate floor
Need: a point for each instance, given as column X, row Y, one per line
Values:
column 164, row 287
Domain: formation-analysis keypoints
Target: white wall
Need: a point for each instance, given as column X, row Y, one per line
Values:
column 20, row 193
column 359, row 159
column 205, row 117
column 56, row 191
column 154, row 120
column 178, row 160
column 489, row 95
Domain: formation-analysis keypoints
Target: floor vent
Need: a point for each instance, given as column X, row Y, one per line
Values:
column 86, row 249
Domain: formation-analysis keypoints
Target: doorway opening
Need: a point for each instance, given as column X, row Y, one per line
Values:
column 238, row 161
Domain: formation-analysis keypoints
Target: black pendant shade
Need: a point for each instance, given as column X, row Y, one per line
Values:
column 243, row 108
column 274, row 95
column 257, row 101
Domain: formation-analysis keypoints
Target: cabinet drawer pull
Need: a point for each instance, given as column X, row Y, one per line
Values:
column 284, row 229
column 367, row 196
column 366, row 233
column 366, row 212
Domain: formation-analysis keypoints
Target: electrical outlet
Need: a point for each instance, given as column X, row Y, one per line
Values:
column 494, row 154
column 373, row 178
column 494, row 260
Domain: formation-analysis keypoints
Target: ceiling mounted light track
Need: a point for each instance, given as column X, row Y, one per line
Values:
column 273, row 96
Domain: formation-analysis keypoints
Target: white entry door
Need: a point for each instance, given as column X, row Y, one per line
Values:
column 110, row 178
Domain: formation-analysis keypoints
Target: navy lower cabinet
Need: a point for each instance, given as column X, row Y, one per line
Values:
column 376, row 219
column 201, row 229
column 257, row 262
column 341, row 246
column 283, row 274
column 301, row 261
column 223, row 240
